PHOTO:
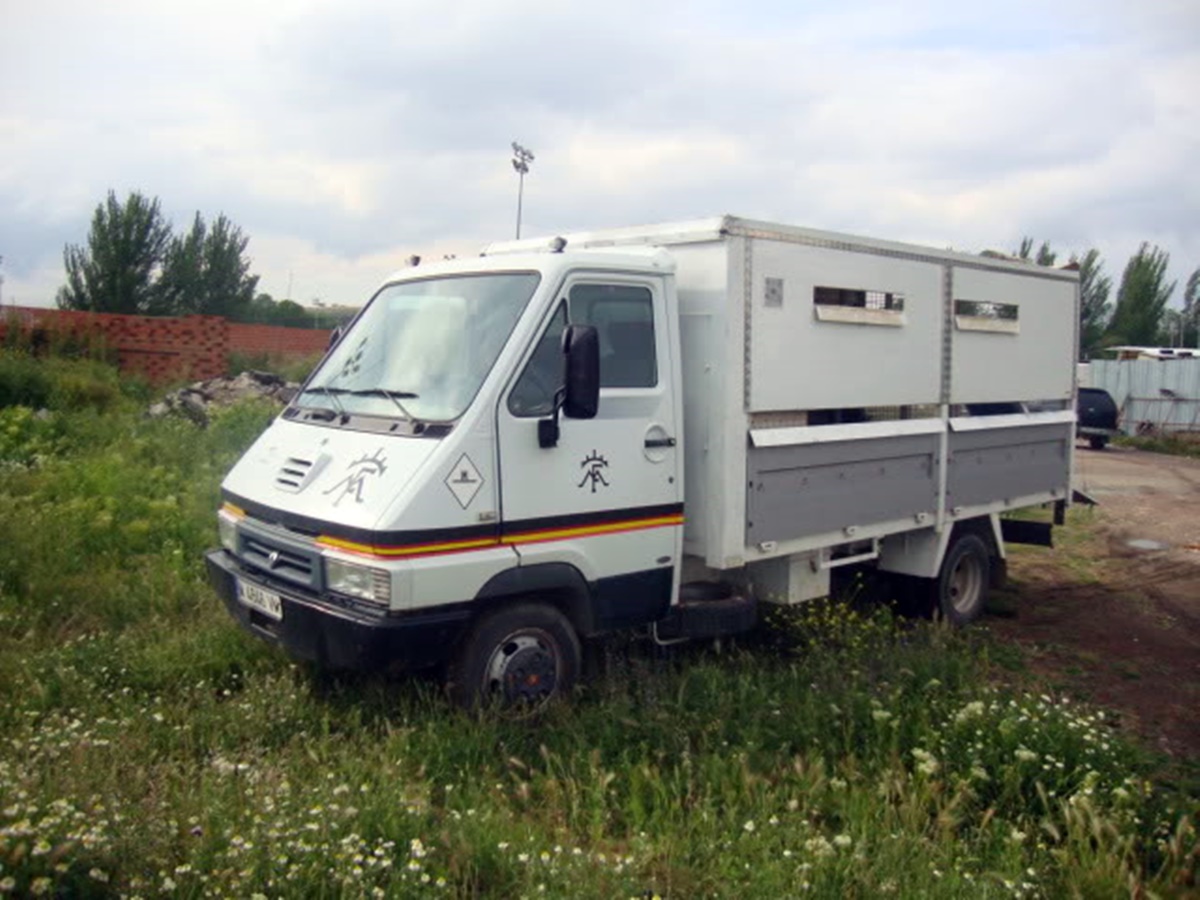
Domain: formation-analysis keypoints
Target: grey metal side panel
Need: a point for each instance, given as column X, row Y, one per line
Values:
column 1008, row 463
column 802, row 490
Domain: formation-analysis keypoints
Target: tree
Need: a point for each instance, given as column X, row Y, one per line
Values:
column 1172, row 327
column 1094, row 308
column 1045, row 256
column 261, row 309
column 1142, row 297
column 205, row 272
column 289, row 312
column 116, row 271
column 1191, row 309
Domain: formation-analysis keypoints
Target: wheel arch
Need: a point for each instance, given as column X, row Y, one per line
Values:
column 558, row 584
column 921, row 553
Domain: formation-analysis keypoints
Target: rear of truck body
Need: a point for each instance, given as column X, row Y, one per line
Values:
column 773, row 403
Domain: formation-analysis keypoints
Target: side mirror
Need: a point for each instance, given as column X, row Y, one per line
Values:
column 334, row 337
column 581, row 345
column 579, row 397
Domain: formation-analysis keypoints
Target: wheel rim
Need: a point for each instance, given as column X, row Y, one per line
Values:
column 522, row 670
column 965, row 585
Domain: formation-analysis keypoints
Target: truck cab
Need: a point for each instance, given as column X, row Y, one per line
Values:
column 429, row 479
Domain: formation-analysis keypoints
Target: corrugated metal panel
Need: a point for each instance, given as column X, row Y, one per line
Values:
column 1152, row 394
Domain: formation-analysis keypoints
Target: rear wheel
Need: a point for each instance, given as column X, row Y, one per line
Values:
column 960, row 590
column 1098, row 442
column 518, row 660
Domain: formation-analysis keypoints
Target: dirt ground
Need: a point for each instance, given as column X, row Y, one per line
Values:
column 1113, row 615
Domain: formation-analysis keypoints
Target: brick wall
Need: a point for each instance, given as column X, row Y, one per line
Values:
column 164, row 348
column 276, row 340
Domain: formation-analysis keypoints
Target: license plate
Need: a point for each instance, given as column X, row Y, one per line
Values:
column 266, row 602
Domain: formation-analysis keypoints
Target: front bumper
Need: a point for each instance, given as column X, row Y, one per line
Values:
column 340, row 638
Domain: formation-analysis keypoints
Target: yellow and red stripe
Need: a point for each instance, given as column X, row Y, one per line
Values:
column 512, row 535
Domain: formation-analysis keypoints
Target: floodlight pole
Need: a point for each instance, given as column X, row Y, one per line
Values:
column 520, row 162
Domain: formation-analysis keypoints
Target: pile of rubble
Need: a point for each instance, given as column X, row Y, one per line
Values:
column 197, row 400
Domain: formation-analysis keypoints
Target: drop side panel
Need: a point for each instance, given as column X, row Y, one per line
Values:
column 998, row 464
column 803, row 490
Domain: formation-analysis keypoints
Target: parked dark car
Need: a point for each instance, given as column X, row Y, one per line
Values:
column 1097, row 414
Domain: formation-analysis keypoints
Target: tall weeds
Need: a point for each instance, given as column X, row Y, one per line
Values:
column 151, row 749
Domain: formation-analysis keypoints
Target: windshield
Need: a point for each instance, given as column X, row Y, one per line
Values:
column 421, row 349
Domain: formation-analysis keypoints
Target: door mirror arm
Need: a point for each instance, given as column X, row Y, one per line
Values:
column 579, row 397
column 548, row 429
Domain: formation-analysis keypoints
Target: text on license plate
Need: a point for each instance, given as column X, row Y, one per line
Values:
column 266, row 602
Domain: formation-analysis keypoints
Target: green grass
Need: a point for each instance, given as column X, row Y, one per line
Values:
column 1185, row 444
column 150, row 748
column 293, row 368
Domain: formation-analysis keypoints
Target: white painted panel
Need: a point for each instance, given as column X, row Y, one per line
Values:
column 706, row 308
column 1035, row 363
column 800, row 362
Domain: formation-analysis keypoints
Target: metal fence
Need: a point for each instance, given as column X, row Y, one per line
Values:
column 1152, row 395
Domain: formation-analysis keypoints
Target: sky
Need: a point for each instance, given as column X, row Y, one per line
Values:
column 343, row 136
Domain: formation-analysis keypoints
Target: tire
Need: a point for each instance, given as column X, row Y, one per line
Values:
column 518, row 660
column 961, row 588
column 1098, row 442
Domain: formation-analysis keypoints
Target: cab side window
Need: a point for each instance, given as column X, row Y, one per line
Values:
column 624, row 319
column 533, row 394
column 623, row 316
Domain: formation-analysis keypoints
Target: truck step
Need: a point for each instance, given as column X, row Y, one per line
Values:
column 706, row 610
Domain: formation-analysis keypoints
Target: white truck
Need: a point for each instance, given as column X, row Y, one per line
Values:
column 649, row 428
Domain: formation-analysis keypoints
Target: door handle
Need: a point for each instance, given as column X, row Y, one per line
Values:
column 660, row 442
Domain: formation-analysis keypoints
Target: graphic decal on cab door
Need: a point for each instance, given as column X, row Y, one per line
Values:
column 594, row 465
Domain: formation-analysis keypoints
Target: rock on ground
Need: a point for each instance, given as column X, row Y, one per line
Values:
column 196, row 401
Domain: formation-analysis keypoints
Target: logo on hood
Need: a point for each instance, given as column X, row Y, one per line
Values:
column 357, row 474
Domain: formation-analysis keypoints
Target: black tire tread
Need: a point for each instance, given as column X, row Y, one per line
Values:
column 464, row 675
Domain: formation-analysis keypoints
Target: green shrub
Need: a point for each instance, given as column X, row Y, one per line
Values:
column 24, row 381
column 57, row 383
column 48, row 340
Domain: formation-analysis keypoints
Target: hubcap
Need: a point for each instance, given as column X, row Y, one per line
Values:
column 966, row 584
column 522, row 671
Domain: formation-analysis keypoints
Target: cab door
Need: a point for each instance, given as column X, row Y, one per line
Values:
column 607, row 498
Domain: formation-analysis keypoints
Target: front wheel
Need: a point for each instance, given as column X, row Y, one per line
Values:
column 518, row 660
column 1097, row 442
column 960, row 590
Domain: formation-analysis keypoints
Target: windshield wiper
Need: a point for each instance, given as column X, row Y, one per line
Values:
column 332, row 394
column 394, row 396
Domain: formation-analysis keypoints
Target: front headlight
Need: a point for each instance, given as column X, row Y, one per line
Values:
column 227, row 529
column 354, row 580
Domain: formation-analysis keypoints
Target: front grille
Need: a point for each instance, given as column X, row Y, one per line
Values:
column 279, row 559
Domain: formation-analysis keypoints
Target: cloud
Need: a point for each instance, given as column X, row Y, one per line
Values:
column 343, row 136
